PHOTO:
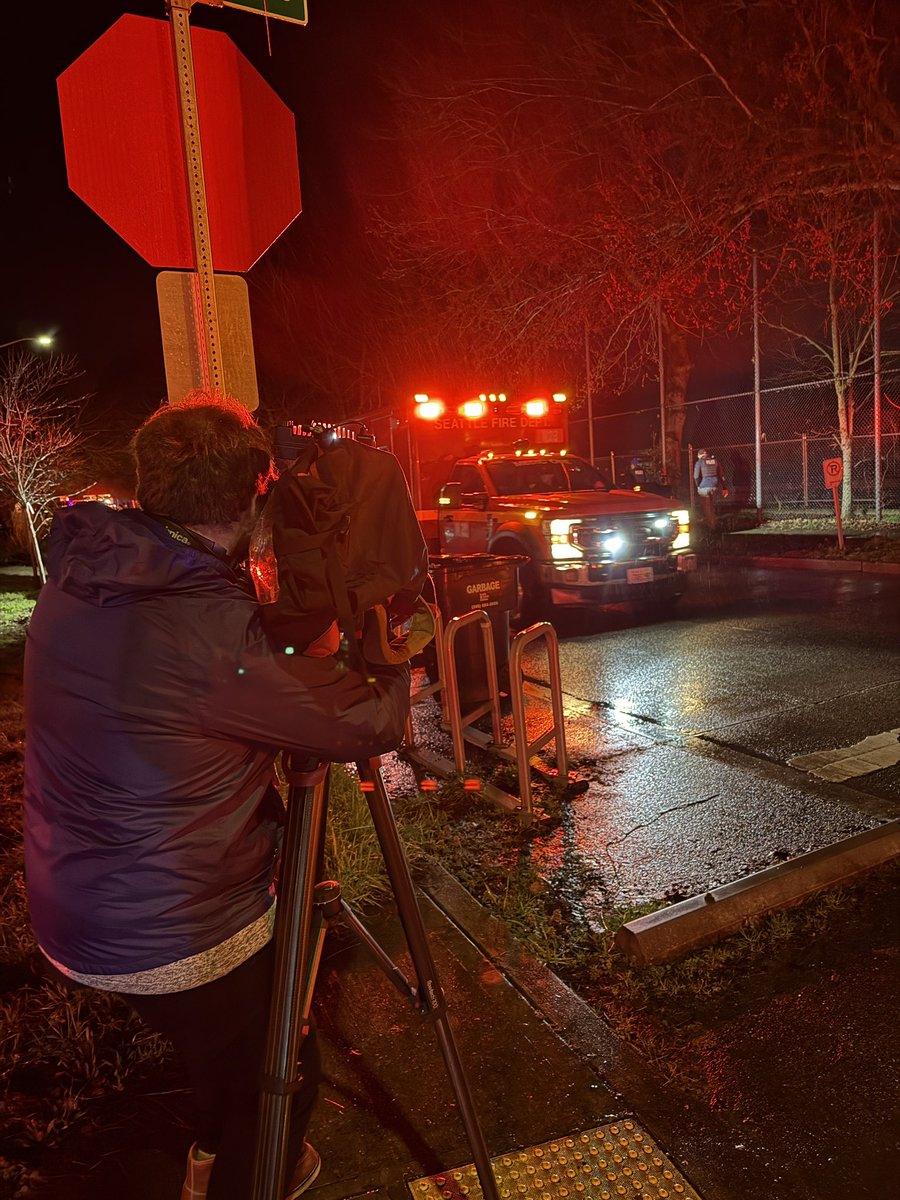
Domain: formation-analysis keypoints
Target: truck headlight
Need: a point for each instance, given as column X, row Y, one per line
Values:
column 561, row 544
column 682, row 518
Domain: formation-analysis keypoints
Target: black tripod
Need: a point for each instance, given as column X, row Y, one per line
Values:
column 304, row 907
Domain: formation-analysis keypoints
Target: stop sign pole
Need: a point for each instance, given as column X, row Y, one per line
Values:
column 206, row 317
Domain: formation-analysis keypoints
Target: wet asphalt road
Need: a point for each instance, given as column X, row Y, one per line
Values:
column 772, row 662
column 684, row 727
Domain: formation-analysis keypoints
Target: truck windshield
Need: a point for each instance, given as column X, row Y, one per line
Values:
column 530, row 476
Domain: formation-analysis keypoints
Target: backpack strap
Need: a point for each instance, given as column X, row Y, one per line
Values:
column 346, row 618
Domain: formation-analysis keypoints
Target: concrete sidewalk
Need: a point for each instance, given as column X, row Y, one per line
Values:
column 803, row 1105
column 541, row 1065
column 544, row 1067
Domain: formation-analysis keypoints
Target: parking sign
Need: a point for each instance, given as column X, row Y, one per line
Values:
column 833, row 470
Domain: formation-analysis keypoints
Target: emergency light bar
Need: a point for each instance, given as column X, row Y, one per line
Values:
column 476, row 408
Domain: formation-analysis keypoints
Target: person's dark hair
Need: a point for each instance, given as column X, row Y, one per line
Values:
column 200, row 462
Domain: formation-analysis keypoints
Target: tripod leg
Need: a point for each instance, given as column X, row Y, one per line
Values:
column 430, row 994
column 291, row 986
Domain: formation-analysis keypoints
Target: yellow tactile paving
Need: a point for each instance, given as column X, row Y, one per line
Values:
column 606, row 1163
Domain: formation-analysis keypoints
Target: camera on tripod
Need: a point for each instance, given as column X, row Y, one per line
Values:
column 339, row 549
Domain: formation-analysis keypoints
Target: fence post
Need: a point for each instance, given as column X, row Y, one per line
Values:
column 663, row 449
column 804, row 452
column 876, row 352
column 612, row 467
column 757, row 400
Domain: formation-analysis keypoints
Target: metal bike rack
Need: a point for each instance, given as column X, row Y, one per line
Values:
column 459, row 720
column 557, row 732
column 437, row 688
column 521, row 750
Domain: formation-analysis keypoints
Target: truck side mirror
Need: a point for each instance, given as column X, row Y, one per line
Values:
column 451, row 496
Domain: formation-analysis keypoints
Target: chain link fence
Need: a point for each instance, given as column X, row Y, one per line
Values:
column 798, row 431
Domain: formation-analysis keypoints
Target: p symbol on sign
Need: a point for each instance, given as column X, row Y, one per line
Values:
column 833, row 470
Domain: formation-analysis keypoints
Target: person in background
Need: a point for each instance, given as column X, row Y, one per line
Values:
column 636, row 474
column 709, row 480
column 155, row 708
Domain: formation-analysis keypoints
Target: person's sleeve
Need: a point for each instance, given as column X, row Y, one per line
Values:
column 309, row 705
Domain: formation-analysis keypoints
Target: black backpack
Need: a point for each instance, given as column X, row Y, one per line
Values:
column 348, row 548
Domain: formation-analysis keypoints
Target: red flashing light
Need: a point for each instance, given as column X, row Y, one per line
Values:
column 474, row 410
column 429, row 410
column 538, row 407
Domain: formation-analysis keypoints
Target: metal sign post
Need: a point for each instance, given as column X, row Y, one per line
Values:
column 205, row 309
column 833, row 471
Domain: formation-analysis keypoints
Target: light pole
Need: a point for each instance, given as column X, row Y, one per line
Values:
column 42, row 339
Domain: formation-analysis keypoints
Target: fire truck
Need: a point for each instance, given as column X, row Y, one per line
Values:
column 501, row 477
column 495, row 473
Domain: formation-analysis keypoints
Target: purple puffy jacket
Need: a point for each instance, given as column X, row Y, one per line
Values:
column 154, row 711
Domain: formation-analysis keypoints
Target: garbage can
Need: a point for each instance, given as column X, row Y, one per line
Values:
column 463, row 582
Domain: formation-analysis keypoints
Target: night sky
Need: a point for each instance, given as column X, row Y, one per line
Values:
column 65, row 271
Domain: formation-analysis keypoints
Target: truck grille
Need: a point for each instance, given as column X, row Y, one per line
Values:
column 642, row 538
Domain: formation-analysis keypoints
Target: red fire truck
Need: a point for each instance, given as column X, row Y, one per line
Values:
column 501, row 477
column 494, row 472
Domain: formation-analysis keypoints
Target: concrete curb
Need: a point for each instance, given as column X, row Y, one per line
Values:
column 838, row 566
column 697, row 922
column 690, row 1131
column 572, row 1018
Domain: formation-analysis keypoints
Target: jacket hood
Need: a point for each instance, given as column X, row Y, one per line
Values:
column 105, row 557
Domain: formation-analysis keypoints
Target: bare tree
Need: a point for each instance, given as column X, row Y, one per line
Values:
column 596, row 168
column 39, row 439
column 827, row 312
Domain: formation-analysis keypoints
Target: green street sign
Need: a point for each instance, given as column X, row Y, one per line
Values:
column 281, row 10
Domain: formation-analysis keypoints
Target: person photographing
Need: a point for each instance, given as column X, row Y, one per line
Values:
column 155, row 709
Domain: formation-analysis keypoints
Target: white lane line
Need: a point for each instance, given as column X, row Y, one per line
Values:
column 871, row 754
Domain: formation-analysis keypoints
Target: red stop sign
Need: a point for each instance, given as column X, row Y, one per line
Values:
column 122, row 133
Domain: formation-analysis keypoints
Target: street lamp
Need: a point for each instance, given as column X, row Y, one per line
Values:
column 42, row 339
